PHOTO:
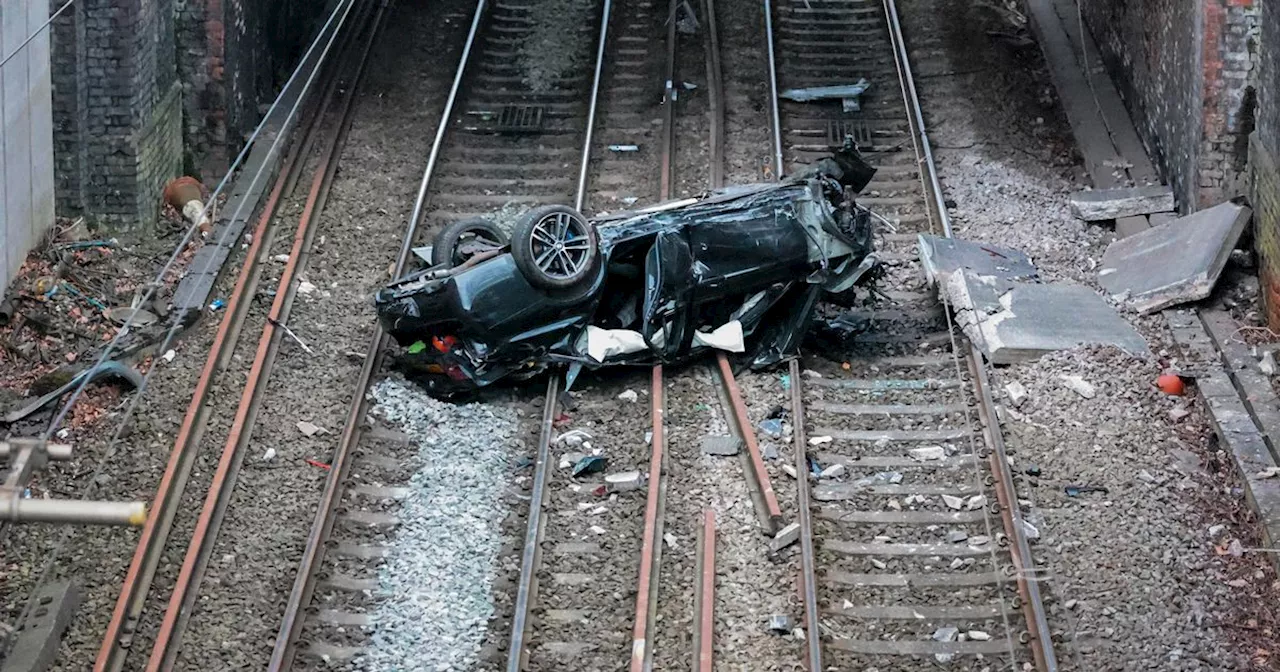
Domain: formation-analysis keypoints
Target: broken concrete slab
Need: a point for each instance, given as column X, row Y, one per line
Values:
column 1014, row 322
column 1128, row 226
column 1102, row 204
column 1174, row 263
column 722, row 445
column 942, row 257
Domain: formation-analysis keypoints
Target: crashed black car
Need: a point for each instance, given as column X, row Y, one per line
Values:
column 740, row 269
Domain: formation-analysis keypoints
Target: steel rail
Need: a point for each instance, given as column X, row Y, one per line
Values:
column 146, row 558
column 774, row 114
column 771, row 515
column 291, row 622
column 650, row 548
column 1024, row 562
column 666, row 167
column 715, row 96
column 704, row 599
column 581, row 197
column 212, row 512
column 808, row 562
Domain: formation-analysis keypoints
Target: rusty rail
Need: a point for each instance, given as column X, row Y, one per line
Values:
column 705, row 598
column 131, row 600
column 770, row 513
column 651, row 547
column 808, row 563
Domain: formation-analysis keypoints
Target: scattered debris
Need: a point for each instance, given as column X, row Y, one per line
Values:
column 670, row 540
column 1268, row 363
column 781, row 624
column 975, row 502
column 629, row 396
column 943, row 257
column 721, row 445
column 785, row 537
column 624, row 148
column 819, row 440
column 573, row 438
column 771, row 428
column 979, row 636
column 928, row 453
column 790, row 471
column 848, row 94
column 1031, row 532
column 568, row 460
column 269, row 455
column 310, row 429
column 1172, row 384
column 1078, row 385
column 169, row 355
column 953, row 502
column 1102, row 204
column 1216, row 530
column 1173, row 263
column 1270, row 472
column 590, row 464
column 624, row 481
column 1077, row 490
column 111, row 369
column 1016, row 392
column 957, row 536
column 305, row 287
column 834, row 471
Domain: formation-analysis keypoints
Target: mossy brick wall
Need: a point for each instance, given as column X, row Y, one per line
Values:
column 1185, row 69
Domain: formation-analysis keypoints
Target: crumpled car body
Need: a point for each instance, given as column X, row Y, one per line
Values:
column 740, row 270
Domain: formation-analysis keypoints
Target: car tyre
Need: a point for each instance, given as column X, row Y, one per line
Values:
column 555, row 247
column 450, row 245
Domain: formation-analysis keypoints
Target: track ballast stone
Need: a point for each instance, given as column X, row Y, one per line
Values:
column 439, row 580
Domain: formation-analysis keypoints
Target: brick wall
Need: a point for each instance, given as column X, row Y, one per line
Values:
column 1185, row 70
column 1264, row 150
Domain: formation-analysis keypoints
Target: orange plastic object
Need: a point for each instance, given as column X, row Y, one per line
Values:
column 1170, row 384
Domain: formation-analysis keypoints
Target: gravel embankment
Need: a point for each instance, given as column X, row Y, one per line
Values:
column 1142, row 576
column 439, row 582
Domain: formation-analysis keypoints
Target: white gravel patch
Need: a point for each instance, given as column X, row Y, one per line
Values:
column 440, row 580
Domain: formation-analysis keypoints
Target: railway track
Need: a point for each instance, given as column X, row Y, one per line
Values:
column 906, row 558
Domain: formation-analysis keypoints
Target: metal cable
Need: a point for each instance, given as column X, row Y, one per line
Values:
column 113, row 443
column 37, row 32
column 343, row 7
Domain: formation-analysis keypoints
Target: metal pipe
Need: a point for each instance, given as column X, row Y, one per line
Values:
column 808, row 571
column 773, row 91
column 529, row 558
column 54, row 451
column 24, row 510
column 581, row 196
column 420, row 201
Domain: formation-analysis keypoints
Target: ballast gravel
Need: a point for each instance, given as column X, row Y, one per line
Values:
column 439, row 582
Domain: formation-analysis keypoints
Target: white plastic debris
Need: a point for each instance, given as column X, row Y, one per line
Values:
column 976, row 502
column 622, row 482
column 629, row 396
column 670, row 539
column 306, row 287
column 269, row 455
column 819, row 440
column 1079, row 386
column 596, row 529
column 169, row 355
column 1268, row 363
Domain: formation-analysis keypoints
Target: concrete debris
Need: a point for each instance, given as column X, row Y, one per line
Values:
column 625, row 481
column 596, row 529
column 785, row 537
column 947, row 634
column 819, row 440
column 310, row 429
column 1017, row 393
column 269, row 455
column 305, row 287
column 1216, row 530
column 1079, row 385
column 957, row 536
column 979, row 540
column 1178, row 413
column 979, row 636
column 1103, row 204
column 569, row 459
column 790, row 470
column 670, row 539
column 1128, row 226
column 928, row 453
column 1235, row 548
column 1031, row 532
column 721, row 445
column 943, row 257
column 1013, row 322
column 833, row 471
column 1268, row 363
column 849, row 94
column 878, row 564
column 975, row 502
column 629, row 396
column 1173, row 263
column 953, row 502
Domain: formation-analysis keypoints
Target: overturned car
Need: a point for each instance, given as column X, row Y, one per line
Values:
column 740, row 270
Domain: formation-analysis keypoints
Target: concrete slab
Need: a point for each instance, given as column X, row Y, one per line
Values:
column 1174, row 263
column 1014, row 321
column 1098, row 205
column 942, row 257
column 1127, row 226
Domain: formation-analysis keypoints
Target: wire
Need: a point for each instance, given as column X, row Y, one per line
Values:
column 173, row 330
column 182, row 244
column 39, row 30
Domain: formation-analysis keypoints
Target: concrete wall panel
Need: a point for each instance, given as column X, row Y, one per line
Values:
column 26, row 167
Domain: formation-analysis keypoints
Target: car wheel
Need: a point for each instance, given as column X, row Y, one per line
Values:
column 464, row 239
column 555, row 247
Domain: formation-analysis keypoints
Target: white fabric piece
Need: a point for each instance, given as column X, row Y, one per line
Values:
column 727, row 336
column 605, row 343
